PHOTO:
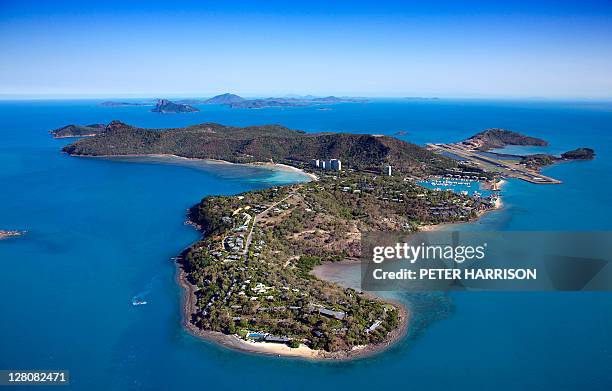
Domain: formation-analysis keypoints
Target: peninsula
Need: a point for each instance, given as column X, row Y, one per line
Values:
column 248, row 280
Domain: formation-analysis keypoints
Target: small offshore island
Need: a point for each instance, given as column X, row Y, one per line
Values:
column 4, row 234
column 249, row 280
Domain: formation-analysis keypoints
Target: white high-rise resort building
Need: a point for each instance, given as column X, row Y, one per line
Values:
column 387, row 170
column 332, row 164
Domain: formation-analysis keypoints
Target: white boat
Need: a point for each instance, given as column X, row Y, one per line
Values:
column 138, row 302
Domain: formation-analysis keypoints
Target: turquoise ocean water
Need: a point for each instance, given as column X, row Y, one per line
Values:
column 101, row 232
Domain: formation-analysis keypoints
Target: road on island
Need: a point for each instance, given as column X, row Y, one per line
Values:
column 247, row 242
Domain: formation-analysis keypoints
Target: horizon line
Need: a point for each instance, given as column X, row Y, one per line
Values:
column 176, row 95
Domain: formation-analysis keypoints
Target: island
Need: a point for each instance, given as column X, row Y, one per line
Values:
column 421, row 98
column 235, row 101
column 5, row 234
column 579, row 154
column 119, row 104
column 291, row 102
column 166, row 106
column 248, row 281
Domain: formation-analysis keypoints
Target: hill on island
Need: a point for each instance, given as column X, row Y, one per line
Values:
column 499, row 138
column 224, row 99
column 267, row 143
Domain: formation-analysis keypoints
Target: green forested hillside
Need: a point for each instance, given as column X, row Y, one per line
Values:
column 262, row 144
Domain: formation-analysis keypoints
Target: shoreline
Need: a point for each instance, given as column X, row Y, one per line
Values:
column 80, row 136
column 266, row 165
column 281, row 350
column 323, row 272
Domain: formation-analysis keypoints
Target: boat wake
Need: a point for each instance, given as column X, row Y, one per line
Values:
column 139, row 298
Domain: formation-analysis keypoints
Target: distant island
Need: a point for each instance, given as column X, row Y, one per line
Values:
column 421, row 98
column 114, row 104
column 249, row 280
column 291, row 102
column 235, row 101
column 166, row 106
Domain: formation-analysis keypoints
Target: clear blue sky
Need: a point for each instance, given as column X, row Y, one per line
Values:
column 553, row 49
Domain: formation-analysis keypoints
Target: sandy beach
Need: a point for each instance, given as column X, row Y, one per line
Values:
column 267, row 165
column 285, row 167
column 494, row 185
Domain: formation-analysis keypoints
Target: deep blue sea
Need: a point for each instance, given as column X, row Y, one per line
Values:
column 102, row 231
